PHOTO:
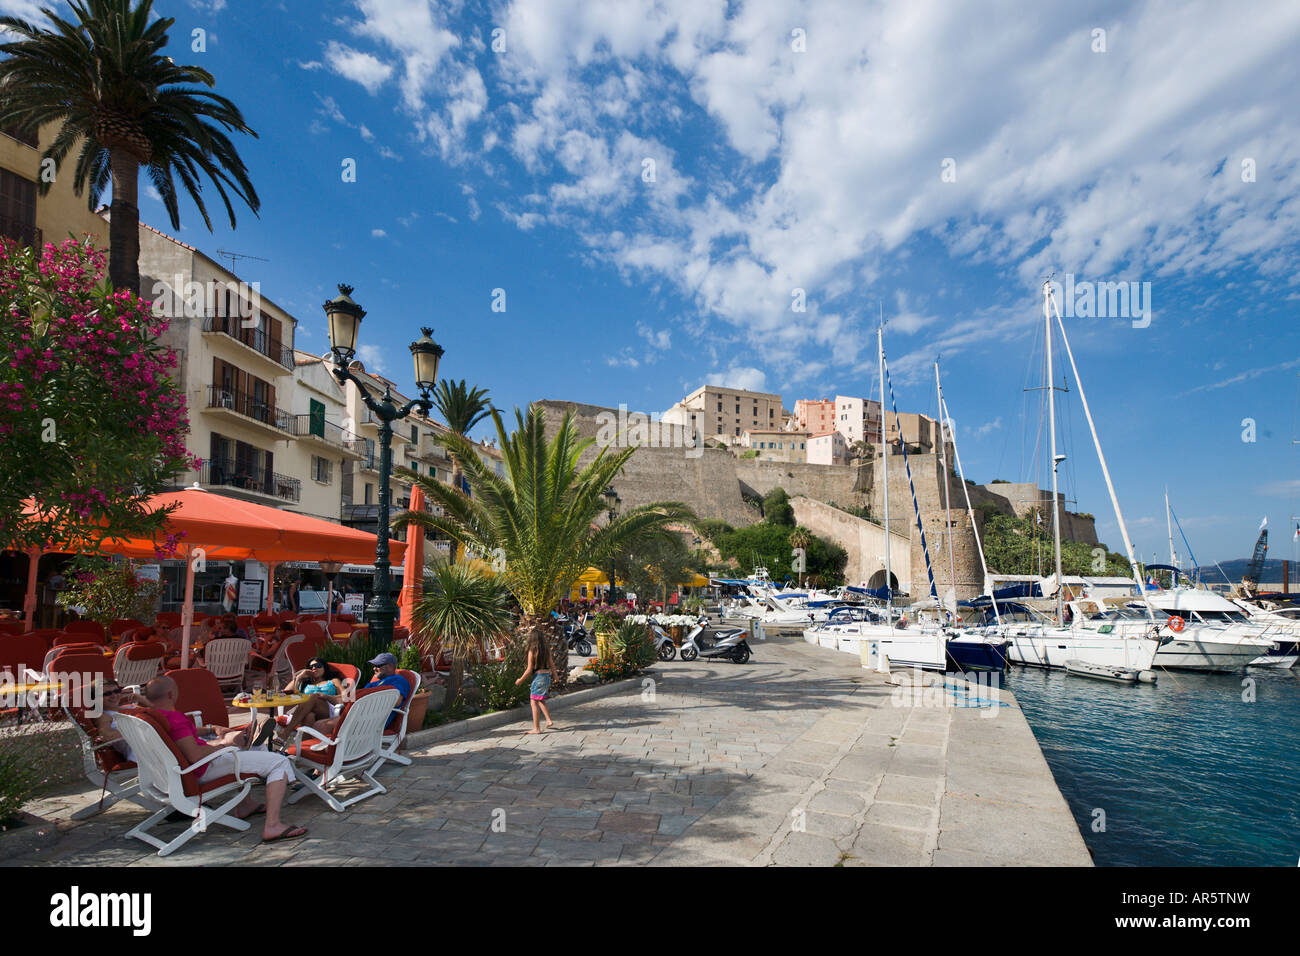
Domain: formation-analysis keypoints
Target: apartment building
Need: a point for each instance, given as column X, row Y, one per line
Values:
column 727, row 413
column 814, row 415
column 271, row 422
column 828, row 448
column 33, row 219
column 776, row 444
column 857, row 419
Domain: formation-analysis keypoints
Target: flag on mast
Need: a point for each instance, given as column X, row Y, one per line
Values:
column 1263, row 524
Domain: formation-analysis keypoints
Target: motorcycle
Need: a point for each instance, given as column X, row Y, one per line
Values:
column 730, row 643
column 575, row 635
column 664, row 645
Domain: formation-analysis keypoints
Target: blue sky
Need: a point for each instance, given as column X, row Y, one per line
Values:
column 804, row 146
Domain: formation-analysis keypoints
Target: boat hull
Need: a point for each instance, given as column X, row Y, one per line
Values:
column 1052, row 650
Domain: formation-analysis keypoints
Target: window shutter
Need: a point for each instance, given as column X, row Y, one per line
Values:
column 317, row 419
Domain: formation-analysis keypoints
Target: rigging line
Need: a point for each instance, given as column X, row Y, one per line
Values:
column 925, row 551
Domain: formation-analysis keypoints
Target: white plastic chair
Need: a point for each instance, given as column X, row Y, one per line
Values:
column 392, row 742
column 163, row 780
column 115, row 785
column 356, row 748
column 129, row 672
column 226, row 658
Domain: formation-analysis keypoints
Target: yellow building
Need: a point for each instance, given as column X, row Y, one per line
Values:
column 34, row 219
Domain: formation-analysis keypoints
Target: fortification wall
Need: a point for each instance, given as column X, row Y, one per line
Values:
column 863, row 540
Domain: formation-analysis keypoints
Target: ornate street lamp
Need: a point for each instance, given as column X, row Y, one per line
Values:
column 345, row 317
column 613, row 501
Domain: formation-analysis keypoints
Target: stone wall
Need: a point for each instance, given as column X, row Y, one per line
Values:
column 863, row 540
column 716, row 485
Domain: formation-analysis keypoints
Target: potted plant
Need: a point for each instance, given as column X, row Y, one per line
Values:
column 605, row 622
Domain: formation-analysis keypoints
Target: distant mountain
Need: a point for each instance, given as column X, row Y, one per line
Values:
column 1236, row 567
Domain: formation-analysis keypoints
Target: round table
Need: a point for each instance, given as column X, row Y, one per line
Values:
column 269, row 703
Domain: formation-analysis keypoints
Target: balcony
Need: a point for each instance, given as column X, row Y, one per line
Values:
column 274, row 356
column 249, row 410
column 329, row 436
column 244, row 480
column 24, row 232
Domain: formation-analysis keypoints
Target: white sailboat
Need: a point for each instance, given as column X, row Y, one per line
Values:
column 1047, row 643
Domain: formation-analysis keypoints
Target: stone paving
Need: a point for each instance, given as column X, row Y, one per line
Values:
column 799, row 757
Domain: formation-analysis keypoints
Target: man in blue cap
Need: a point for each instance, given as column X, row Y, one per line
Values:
column 386, row 675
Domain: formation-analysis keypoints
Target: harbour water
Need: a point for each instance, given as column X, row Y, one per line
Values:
column 1187, row 772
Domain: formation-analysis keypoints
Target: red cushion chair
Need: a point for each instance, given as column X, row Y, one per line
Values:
column 123, row 624
column 18, row 651
column 93, row 628
column 197, row 690
column 76, row 666
column 168, row 619
column 47, row 634
column 300, row 652
column 12, row 627
column 77, row 637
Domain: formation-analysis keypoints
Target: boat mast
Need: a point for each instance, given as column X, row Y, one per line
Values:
column 979, row 546
column 1051, row 417
column 884, row 471
column 1110, row 486
column 1169, row 525
column 947, row 503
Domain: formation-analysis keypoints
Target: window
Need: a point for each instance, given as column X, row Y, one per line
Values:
column 415, row 434
column 321, row 469
column 369, row 490
column 18, row 208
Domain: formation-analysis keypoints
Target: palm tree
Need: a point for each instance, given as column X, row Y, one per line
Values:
column 801, row 538
column 106, row 81
column 463, row 605
column 540, row 524
column 461, row 408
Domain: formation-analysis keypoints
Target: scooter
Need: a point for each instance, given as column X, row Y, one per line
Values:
column 576, row 635
column 729, row 643
column 664, row 645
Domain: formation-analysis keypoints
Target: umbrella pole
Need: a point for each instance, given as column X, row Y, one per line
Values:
column 187, row 612
column 29, row 602
column 270, row 586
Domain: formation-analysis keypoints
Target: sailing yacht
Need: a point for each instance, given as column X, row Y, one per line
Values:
column 1045, row 642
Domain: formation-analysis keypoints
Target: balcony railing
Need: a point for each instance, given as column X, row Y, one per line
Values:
column 233, row 474
column 24, row 232
column 300, row 425
column 256, row 339
column 253, row 407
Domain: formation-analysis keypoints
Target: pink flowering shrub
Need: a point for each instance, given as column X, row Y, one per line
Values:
column 91, row 419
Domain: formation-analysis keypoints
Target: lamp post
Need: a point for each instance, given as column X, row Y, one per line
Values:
column 613, row 501
column 345, row 317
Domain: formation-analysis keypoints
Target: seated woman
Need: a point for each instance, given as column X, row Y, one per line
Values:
column 325, row 683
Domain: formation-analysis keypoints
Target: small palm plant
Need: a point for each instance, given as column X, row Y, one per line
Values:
column 540, row 525
column 464, row 605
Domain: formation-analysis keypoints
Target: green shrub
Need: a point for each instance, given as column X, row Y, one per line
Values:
column 633, row 644
column 26, row 755
column 496, row 679
column 359, row 654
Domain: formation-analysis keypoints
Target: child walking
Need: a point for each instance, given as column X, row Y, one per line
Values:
column 539, row 660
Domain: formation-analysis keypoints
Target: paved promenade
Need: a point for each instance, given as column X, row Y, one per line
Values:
column 798, row 758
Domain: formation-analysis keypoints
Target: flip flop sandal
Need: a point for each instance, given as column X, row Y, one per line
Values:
column 292, row 833
column 264, row 734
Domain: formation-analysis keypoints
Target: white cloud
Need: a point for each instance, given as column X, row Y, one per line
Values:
column 372, row 357
column 359, row 67
column 378, row 234
column 828, row 163
column 747, row 378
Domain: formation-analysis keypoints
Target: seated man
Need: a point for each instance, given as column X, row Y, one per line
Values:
column 229, row 627
column 275, row 769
